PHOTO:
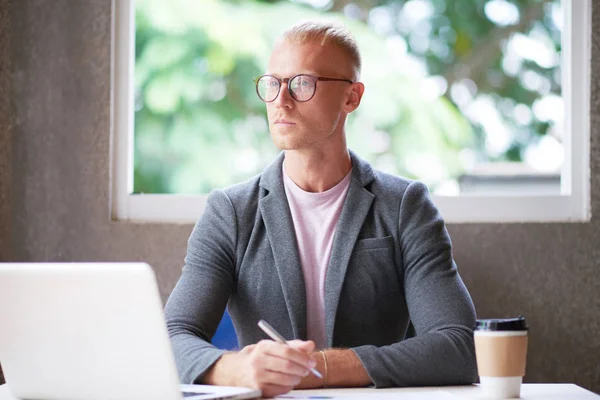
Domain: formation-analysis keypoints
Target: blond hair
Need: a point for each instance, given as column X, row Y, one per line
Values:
column 326, row 33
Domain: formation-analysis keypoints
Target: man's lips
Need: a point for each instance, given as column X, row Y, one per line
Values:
column 282, row 121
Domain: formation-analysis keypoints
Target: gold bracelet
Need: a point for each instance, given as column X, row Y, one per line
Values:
column 326, row 371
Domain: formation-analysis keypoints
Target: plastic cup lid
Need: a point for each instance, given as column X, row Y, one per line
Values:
column 504, row 324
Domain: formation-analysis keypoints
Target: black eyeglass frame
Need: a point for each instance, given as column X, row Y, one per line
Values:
column 288, row 80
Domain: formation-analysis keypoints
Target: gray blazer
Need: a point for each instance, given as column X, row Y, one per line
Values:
column 391, row 263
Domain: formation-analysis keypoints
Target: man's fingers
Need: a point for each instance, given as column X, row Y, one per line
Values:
column 285, row 366
column 308, row 346
column 276, row 368
column 286, row 352
column 277, row 377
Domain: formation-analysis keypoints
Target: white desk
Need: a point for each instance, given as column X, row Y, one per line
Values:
column 528, row 392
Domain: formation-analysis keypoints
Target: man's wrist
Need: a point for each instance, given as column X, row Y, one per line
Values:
column 219, row 373
column 344, row 369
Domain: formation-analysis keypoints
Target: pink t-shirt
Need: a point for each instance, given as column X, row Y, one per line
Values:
column 315, row 218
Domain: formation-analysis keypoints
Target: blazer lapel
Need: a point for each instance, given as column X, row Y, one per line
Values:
column 356, row 207
column 279, row 225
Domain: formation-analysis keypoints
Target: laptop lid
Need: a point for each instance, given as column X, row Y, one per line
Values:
column 93, row 331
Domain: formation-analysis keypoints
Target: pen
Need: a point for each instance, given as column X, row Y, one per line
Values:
column 276, row 336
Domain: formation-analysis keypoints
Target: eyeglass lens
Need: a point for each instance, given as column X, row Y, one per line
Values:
column 301, row 87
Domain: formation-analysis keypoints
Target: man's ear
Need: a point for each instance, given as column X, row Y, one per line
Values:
column 354, row 96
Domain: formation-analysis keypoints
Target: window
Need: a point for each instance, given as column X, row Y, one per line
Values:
column 489, row 101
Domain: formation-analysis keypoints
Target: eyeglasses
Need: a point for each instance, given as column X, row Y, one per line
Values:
column 301, row 87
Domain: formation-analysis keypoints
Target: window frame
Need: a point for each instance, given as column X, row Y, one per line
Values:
column 572, row 205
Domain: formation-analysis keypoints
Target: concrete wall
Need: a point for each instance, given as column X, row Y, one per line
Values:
column 54, row 192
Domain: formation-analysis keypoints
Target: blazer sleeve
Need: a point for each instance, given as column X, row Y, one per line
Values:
column 440, row 307
column 196, row 304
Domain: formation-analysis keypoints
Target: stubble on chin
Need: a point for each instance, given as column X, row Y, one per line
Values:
column 287, row 142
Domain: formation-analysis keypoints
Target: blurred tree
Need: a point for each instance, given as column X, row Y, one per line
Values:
column 426, row 63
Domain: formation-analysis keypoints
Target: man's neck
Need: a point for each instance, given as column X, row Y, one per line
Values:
column 317, row 171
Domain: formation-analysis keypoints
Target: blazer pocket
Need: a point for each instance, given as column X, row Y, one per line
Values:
column 374, row 243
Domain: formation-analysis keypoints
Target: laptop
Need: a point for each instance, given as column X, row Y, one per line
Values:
column 90, row 331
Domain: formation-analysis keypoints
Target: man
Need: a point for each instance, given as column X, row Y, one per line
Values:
column 330, row 252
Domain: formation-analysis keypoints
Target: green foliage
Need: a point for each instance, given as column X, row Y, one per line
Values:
column 199, row 124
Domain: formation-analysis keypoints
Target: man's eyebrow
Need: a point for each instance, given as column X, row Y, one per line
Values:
column 305, row 72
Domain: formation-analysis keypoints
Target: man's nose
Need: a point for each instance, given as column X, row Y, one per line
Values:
column 284, row 99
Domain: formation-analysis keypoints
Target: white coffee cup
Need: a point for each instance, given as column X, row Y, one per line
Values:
column 501, row 351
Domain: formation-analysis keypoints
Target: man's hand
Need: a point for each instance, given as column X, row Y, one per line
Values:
column 272, row 367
